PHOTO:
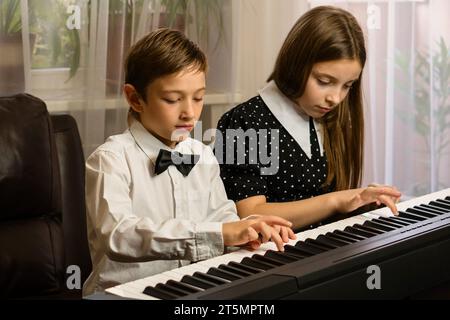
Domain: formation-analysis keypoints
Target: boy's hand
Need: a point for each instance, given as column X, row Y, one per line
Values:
column 258, row 230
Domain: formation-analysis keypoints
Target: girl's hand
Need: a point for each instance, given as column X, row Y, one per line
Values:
column 381, row 194
column 258, row 230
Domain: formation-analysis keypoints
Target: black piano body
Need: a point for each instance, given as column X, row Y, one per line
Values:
column 402, row 261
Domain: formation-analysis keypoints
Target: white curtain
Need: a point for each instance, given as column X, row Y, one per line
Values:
column 406, row 81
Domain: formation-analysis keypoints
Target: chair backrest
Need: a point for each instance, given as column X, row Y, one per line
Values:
column 42, row 214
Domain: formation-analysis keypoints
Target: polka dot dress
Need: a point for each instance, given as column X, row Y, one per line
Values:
column 296, row 177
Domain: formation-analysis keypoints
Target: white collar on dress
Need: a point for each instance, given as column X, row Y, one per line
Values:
column 150, row 145
column 286, row 112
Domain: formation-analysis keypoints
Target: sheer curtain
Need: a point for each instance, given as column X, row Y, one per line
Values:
column 406, row 82
column 70, row 53
column 79, row 70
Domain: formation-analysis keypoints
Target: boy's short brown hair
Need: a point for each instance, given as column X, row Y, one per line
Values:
column 161, row 52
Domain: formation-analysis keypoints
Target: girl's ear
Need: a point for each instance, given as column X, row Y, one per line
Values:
column 133, row 98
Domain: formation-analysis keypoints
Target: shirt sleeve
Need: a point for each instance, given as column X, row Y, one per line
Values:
column 242, row 177
column 126, row 236
column 220, row 208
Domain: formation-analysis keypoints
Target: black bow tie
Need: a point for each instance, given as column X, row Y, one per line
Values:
column 183, row 162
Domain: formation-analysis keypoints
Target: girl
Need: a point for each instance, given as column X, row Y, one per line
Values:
column 312, row 113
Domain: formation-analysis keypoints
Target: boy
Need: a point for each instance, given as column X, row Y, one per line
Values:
column 154, row 197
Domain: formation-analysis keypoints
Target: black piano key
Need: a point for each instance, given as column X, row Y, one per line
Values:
column 244, row 267
column 176, row 289
column 444, row 201
column 209, row 277
column 367, row 228
column 447, row 198
column 411, row 216
column 159, row 293
column 395, row 221
column 388, row 223
column 183, row 286
column 376, row 225
column 282, row 256
column 433, row 209
column 421, row 212
column 342, row 238
column 330, row 241
column 309, row 248
column 234, row 270
column 403, row 219
column 223, row 274
column 200, row 283
column 359, row 232
column 315, row 243
column 257, row 264
column 275, row 262
column 356, row 237
column 442, row 204
column 299, row 253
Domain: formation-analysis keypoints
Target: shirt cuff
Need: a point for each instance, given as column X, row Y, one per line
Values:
column 208, row 240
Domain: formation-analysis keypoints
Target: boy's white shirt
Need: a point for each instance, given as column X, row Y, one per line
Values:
column 133, row 215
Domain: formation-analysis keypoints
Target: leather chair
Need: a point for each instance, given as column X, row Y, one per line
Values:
column 42, row 207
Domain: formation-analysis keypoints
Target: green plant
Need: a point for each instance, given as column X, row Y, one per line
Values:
column 430, row 121
column 10, row 22
column 57, row 46
column 204, row 15
column 47, row 23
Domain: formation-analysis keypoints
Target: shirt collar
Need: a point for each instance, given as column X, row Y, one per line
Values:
column 295, row 122
column 150, row 145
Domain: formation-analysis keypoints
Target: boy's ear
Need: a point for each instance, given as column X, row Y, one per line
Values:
column 133, row 97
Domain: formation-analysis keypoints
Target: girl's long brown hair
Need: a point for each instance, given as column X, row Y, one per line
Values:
column 324, row 34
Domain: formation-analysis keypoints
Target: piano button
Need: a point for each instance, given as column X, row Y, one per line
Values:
column 299, row 253
column 237, row 271
column 282, row 256
column 388, row 223
column 223, row 274
column 342, row 238
column 211, row 278
column 325, row 240
column 378, row 226
column 310, row 248
column 411, row 216
column 197, row 282
column 442, row 204
column 433, row 209
column 183, row 286
column 256, row 264
column 421, row 212
column 319, row 245
column 356, row 237
column 367, row 228
column 274, row 262
column 394, row 221
column 359, row 232
column 243, row 267
column 158, row 293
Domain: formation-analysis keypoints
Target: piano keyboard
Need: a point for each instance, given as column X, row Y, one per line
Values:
column 202, row 276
